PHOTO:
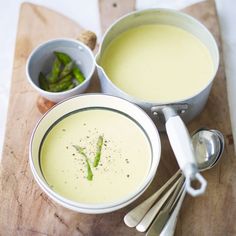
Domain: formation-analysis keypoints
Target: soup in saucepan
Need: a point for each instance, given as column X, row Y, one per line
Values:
column 158, row 62
column 95, row 156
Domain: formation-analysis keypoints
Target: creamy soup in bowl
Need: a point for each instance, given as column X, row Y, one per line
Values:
column 94, row 153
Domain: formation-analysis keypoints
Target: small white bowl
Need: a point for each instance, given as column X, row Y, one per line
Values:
column 41, row 59
column 90, row 101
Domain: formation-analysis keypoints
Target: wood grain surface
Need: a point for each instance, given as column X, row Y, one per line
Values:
column 26, row 210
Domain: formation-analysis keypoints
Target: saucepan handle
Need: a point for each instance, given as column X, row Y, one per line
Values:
column 182, row 146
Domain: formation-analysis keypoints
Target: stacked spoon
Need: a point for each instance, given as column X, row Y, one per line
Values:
column 160, row 217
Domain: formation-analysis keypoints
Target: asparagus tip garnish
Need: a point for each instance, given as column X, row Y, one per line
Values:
column 99, row 150
column 80, row 150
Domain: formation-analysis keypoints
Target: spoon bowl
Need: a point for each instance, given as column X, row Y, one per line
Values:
column 208, row 147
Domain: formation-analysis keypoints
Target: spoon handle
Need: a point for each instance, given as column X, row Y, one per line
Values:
column 169, row 228
column 148, row 218
column 133, row 217
column 164, row 214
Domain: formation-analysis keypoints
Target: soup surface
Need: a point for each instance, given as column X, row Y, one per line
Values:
column 157, row 62
column 124, row 161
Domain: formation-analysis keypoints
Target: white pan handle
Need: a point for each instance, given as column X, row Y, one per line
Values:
column 182, row 146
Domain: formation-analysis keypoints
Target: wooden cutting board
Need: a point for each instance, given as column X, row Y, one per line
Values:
column 26, row 210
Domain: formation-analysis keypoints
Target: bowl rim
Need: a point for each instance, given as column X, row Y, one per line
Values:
column 111, row 206
column 55, row 40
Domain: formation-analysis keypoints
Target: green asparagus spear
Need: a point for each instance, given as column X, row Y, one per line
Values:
column 63, row 57
column 66, row 78
column 43, row 82
column 67, row 69
column 89, row 171
column 80, row 150
column 54, row 75
column 60, row 78
column 78, row 74
column 99, row 149
column 61, row 86
column 71, row 86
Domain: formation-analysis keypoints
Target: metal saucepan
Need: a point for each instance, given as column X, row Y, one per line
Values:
column 167, row 115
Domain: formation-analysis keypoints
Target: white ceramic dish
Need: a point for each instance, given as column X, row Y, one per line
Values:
column 88, row 101
column 41, row 59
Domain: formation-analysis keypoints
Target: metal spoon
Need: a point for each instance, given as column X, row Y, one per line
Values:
column 169, row 228
column 133, row 217
column 208, row 146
